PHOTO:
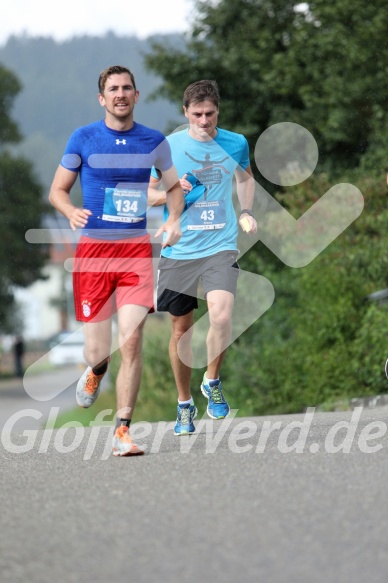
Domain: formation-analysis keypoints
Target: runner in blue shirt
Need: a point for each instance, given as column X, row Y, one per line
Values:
column 113, row 263
column 207, row 159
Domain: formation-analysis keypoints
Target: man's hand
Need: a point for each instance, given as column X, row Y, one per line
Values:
column 173, row 230
column 79, row 218
column 248, row 224
column 185, row 184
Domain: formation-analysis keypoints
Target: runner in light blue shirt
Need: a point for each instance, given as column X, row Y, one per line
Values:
column 207, row 160
column 209, row 222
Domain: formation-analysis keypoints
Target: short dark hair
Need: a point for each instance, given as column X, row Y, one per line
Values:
column 114, row 70
column 205, row 90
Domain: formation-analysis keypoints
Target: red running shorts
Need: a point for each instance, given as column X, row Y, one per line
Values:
column 109, row 274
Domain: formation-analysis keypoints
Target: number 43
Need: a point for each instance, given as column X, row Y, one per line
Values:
column 207, row 215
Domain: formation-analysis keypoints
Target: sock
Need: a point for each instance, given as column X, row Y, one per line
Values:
column 97, row 370
column 185, row 403
column 214, row 381
column 125, row 422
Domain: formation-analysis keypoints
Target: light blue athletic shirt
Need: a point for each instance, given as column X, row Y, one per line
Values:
column 209, row 223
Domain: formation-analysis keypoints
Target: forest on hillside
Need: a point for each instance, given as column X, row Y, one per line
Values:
column 59, row 90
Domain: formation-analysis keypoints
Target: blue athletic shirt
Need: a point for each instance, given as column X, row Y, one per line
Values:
column 208, row 223
column 114, row 168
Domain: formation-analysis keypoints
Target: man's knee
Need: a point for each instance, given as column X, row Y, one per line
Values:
column 220, row 319
column 181, row 325
column 131, row 341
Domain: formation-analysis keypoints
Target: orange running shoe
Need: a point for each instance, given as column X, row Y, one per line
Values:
column 122, row 443
column 88, row 388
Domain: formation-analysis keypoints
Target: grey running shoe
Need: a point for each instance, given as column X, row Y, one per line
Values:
column 88, row 388
column 122, row 444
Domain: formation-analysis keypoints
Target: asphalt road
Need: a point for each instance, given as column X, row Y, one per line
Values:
column 29, row 402
column 259, row 499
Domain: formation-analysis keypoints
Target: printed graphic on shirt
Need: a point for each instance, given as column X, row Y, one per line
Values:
column 210, row 173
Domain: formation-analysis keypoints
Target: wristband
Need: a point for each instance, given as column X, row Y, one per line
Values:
column 246, row 211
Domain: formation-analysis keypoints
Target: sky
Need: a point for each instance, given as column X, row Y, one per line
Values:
column 63, row 20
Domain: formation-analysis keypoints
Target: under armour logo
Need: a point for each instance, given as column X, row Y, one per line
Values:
column 121, row 142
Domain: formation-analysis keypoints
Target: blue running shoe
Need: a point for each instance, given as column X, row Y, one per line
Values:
column 217, row 407
column 184, row 422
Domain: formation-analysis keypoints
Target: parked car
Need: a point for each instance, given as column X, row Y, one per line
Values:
column 67, row 348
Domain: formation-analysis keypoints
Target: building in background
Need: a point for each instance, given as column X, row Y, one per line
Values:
column 47, row 306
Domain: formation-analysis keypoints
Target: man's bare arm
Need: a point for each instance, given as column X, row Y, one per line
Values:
column 156, row 197
column 245, row 195
column 174, row 199
column 59, row 197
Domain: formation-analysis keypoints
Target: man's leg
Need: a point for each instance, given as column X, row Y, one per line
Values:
column 131, row 319
column 220, row 305
column 177, row 294
column 181, row 325
column 182, row 334
column 98, row 337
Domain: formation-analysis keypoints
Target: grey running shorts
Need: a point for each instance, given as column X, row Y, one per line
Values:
column 179, row 280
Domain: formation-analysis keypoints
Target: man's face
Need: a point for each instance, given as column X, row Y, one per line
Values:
column 203, row 117
column 119, row 96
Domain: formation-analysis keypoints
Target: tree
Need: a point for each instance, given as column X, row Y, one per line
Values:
column 323, row 341
column 21, row 208
column 323, row 67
